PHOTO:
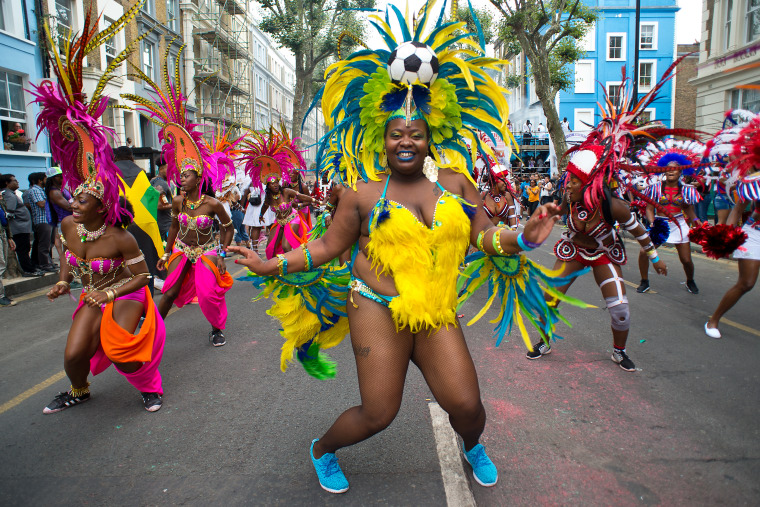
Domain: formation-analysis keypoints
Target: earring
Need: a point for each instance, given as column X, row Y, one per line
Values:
column 430, row 169
column 384, row 160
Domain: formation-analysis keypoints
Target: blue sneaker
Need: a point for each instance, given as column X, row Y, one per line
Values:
column 483, row 468
column 330, row 475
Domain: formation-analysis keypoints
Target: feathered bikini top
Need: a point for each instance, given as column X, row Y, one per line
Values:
column 423, row 261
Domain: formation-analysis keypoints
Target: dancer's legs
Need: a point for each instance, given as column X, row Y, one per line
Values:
column 609, row 278
column 748, row 271
column 684, row 255
column 210, row 295
column 445, row 362
column 643, row 265
column 170, row 294
column 81, row 345
column 382, row 359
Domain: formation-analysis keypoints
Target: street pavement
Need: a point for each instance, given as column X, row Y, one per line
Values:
column 569, row 429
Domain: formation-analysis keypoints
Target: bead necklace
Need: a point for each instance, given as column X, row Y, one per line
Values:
column 85, row 235
column 192, row 205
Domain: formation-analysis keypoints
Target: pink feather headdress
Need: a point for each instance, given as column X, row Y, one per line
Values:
column 78, row 141
column 271, row 156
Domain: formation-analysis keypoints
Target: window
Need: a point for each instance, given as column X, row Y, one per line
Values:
column 613, row 92
column 12, row 104
column 727, row 30
column 753, row 20
column 584, row 119
column 588, row 43
column 647, row 75
column 615, row 46
column 745, row 99
column 648, row 36
column 147, row 60
column 172, row 15
column 584, row 76
column 12, row 18
column 149, row 8
column 64, row 23
column 110, row 45
column 647, row 115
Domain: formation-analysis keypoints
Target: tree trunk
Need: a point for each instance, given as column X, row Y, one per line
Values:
column 303, row 95
column 544, row 92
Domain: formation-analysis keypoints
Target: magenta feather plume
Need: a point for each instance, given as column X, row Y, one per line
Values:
column 269, row 145
column 54, row 105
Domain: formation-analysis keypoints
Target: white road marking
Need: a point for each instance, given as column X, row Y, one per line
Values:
column 455, row 483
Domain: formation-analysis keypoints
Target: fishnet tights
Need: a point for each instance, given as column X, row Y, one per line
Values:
column 382, row 359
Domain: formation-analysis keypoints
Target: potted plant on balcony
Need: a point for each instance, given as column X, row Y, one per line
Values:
column 19, row 141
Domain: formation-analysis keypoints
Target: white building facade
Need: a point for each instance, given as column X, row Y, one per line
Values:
column 729, row 57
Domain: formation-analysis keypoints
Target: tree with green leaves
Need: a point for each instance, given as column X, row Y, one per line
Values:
column 549, row 33
column 312, row 29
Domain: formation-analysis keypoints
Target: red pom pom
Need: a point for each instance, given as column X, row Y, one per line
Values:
column 718, row 241
column 640, row 206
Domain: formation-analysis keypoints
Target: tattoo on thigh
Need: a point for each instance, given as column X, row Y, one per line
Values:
column 361, row 351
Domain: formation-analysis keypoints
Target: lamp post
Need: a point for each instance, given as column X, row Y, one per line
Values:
column 636, row 53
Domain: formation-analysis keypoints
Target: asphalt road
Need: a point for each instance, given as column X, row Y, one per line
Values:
column 571, row 428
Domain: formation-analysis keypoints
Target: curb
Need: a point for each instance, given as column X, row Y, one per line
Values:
column 16, row 286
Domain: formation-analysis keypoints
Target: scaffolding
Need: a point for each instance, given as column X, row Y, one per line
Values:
column 222, row 62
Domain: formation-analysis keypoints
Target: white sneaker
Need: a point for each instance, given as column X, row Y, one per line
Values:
column 158, row 283
column 712, row 332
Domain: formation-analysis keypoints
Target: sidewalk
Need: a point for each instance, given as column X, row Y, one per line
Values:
column 23, row 284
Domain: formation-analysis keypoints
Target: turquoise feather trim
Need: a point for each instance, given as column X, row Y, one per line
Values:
column 522, row 286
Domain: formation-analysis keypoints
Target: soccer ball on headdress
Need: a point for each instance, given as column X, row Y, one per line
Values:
column 413, row 61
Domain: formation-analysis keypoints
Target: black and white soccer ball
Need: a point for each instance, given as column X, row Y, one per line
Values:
column 412, row 61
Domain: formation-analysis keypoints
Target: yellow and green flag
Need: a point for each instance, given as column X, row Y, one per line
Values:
column 144, row 199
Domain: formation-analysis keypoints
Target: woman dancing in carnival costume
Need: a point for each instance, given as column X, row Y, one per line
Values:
column 671, row 207
column 271, row 162
column 194, row 258
column 499, row 199
column 410, row 221
column 596, row 166
column 97, row 248
column 741, row 145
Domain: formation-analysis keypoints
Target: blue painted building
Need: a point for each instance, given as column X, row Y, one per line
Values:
column 609, row 46
column 20, row 66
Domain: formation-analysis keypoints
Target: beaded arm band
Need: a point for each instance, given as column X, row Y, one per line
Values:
column 227, row 224
column 282, row 265
column 136, row 260
column 308, row 263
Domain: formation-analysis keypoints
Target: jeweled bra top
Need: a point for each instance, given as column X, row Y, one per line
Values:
column 99, row 265
column 201, row 222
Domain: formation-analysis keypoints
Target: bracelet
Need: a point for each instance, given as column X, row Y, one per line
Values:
column 307, row 259
column 652, row 253
column 521, row 243
column 227, row 224
column 111, row 295
column 655, row 259
column 64, row 282
column 529, row 244
column 496, row 242
column 479, row 242
column 221, row 253
column 166, row 256
column 282, row 265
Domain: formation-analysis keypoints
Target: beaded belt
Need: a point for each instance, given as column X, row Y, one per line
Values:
column 193, row 253
column 286, row 220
